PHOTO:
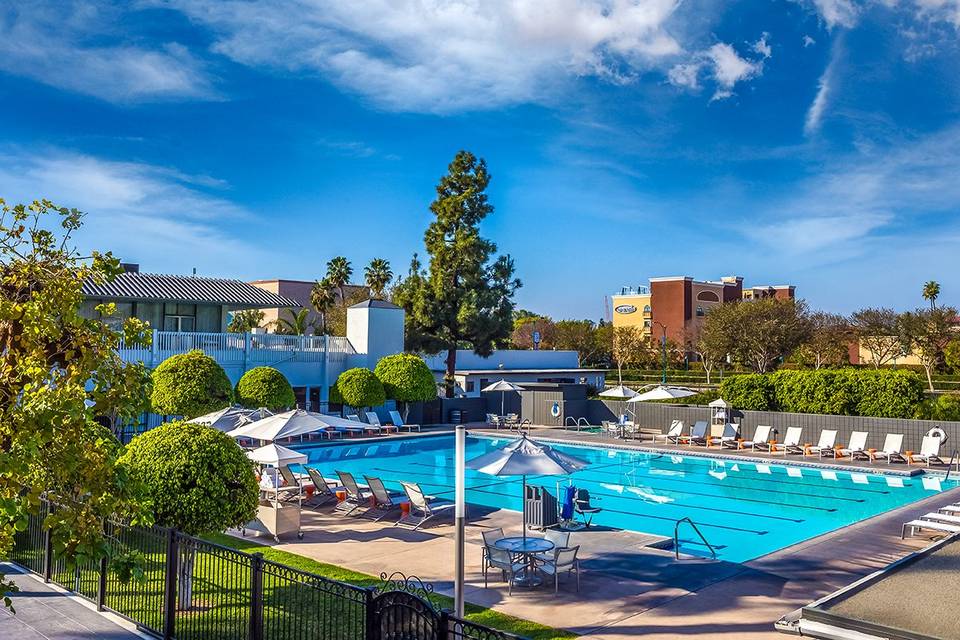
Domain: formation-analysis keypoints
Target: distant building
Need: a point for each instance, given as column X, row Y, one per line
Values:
column 679, row 303
column 297, row 291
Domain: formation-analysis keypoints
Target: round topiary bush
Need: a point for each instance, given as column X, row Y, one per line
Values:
column 190, row 385
column 359, row 387
column 406, row 378
column 264, row 387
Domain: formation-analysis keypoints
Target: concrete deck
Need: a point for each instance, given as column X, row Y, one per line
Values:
column 628, row 588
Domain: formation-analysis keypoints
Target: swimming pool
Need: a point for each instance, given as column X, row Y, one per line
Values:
column 745, row 509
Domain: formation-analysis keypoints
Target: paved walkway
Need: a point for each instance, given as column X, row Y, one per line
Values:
column 43, row 613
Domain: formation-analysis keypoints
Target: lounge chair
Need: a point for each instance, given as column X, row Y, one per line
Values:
column 890, row 452
column 728, row 435
column 422, row 507
column 374, row 420
column 952, row 509
column 946, row 518
column 564, row 561
column 828, row 438
column 929, row 452
column 697, row 435
column 855, row 449
column 673, row 434
column 920, row 525
column 400, row 424
column 790, row 444
column 324, row 491
column 383, row 502
column 582, row 506
column 761, row 437
column 357, row 498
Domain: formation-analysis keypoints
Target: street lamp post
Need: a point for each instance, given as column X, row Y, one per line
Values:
column 460, row 518
column 663, row 351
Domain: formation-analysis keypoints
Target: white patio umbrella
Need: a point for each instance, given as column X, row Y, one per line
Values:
column 618, row 392
column 502, row 386
column 229, row 418
column 526, row 457
column 276, row 456
column 290, row 423
column 661, row 392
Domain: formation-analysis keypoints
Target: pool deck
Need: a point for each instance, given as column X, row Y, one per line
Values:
column 628, row 588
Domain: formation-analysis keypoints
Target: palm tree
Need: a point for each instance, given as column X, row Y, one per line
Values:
column 323, row 297
column 378, row 275
column 296, row 325
column 931, row 291
column 338, row 274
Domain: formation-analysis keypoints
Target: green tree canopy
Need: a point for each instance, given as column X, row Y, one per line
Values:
column 245, row 320
column 465, row 297
column 359, row 387
column 758, row 333
column 378, row 275
column 264, row 387
column 406, row 378
column 190, row 385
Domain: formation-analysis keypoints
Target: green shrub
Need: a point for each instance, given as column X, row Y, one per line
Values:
column 750, row 392
column 946, row 407
column 888, row 393
column 359, row 387
column 824, row 391
column 190, row 385
column 264, row 387
column 406, row 378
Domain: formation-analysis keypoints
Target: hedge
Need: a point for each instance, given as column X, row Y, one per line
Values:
column 190, row 385
column 884, row 393
column 358, row 387
column 406, row 378
column 264, row 387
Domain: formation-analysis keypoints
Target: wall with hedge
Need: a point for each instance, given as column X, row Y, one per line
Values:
column 883, row 393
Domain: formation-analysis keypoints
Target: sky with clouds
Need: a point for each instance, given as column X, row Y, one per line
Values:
column 810, row 142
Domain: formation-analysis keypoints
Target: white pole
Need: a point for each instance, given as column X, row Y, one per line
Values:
column 461, row 509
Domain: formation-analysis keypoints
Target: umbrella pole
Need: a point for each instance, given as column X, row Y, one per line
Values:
column 503, row 396
column 524, row 505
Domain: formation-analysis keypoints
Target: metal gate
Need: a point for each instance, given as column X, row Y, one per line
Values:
column 402, row 610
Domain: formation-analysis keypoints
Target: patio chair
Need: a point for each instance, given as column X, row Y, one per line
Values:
column 490, row 536
column 728, row 435
column 505, row 562
column 828, row 438
column 929, row 452
column 383, row 502
column 357, row 498
column 790, row 444
column 511, row 420
column 400, row 424
column 673, row 434
column 761, row 440
column 494, row 420
column 422, row 507
column 855, row 449
column 564, row 561
column 560, row 540
column 697, row 435
column 890, row 452
column 374, row 420
column 583, row 507
column 324, row 491
column 293, row 487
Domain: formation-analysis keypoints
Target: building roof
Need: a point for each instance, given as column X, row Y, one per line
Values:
column 475, row 372
column 187, row 289
column 374, row 304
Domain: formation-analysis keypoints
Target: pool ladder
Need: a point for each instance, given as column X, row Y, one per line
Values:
column 578, row 422
column 676, row 537
column 953, row 460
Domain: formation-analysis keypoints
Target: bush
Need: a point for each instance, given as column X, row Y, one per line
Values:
column 406, row 378
column 264, row 387
column 189, row 385
column 946, row 407
column 824, row 391
column 890, row 393
column 358, row 387
column 749, row 392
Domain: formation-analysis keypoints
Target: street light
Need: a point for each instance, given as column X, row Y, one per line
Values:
column 663, row 350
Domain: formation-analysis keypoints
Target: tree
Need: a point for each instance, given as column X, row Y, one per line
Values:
column 931, row 291
column 829, row 342
column 523, row 330
column 406, row 378
column 264, row 387
column 759, row 333
column 877, row 330
column 926, row 333
column 628, row 346
column 951, row 355
column 710, row 344
column 52, row 361
column 583, row 337
column 198, row 480
column 323, row 297
column 337, row 316
column 245, row 321
column 465, row 298
column 377, row 275
column 190, row 385
column 338, row 275
column 294, row 323
column 359, row 387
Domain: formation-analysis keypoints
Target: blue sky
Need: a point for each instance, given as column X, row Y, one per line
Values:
column 807, row 142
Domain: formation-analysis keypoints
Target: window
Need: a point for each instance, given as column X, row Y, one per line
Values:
column 646, row 308
column 469, row 386
column 708, row 296
column 179, row 317
column 646, row 324
column 699, row 310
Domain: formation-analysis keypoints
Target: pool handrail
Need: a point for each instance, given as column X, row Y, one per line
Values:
column 676, row 537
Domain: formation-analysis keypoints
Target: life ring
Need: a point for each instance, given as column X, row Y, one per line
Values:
column 555, row 410
column 937, row 432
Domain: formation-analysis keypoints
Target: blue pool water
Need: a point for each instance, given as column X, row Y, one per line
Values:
column 744, row 509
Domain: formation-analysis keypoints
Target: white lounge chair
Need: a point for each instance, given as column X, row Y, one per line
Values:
column 790, row 444
column 855, row 449
column 929, row 451
column 890, row 452
column 728, row 434
column 673, row 434
column 698, row 434
column 422, row 506
column 828, row 438
column 761, row 437
column 374, row 419
column 941, row 517
column 400, row 424
column 920, row 525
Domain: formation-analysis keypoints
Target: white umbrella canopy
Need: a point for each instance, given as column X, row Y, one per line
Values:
column 228, row 418
column 720, row 403
column 661, row 392
column 288, row 424
column 276, row 456
column 502, row 386
column 618, row 392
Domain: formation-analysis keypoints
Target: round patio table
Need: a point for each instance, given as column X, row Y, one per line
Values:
column 528, row 548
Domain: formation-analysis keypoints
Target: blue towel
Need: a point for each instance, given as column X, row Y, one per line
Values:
column 566, row 505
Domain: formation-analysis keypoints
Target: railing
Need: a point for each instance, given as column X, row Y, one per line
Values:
column 953, row 461
column 579, row 423
column 676, row 537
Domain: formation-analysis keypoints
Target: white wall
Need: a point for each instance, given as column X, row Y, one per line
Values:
column 376, row 332
column 509, row 358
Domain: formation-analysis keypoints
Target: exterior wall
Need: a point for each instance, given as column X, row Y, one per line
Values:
column 671, row 302
column 639, row 317
column 299, row 292
column 472, row 383
column 375, row 331
column 509, row 358
column 208, row 318
column 865, row 356
column 705, row 296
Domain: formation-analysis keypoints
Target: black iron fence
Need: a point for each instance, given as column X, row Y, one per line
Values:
column 192, row 589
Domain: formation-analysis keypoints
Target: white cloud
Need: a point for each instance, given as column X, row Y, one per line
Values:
column 762, row 47
column 808, row 41
column 943, row 10
column 442, row 56
column 685, row 75
column 838, row 13
column 729, row 68
column 825, row 86
column 67, row 45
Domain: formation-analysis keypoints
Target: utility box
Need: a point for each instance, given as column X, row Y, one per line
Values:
column 541, row 508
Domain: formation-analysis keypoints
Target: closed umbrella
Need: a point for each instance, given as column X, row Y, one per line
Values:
column 290, row 423
column 502, row 386
column 662, row 392
column 618, row 392
column 526, row 457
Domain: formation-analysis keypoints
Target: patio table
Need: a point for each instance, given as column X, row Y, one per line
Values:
column 528, row 548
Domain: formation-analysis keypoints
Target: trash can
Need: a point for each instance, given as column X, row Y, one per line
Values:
column 541, row 508
column 456, row 416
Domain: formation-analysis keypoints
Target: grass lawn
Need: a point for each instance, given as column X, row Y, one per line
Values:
column 474, row 613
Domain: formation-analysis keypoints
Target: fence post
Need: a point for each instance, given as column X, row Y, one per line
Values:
column 369, row 621
column 443, row 629
column 256, row 597
column 170, row 586
column 47, row 554
column 102, row 585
